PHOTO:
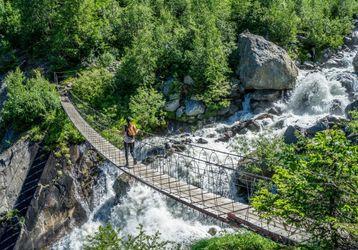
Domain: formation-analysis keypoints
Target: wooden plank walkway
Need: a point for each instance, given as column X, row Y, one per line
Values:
column 218, row 207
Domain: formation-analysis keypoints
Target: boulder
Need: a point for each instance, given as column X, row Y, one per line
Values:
column 266, row 95
column 202, row 141
column 243, row 127
column 275, row 111
column 188, row 80
column 212, row 231
column 336, row 107
column 173, row 105
column 348, row 81
column 325, row 123
column 336, row 63
column 351, row 107
column 194, row 108
column 290, row 136
column 264, row 65
column 180, row 112
column 260, row 106
column 307, row 65
column 347, row 40
column 168, row 86
column 121, row 185
column 355, row 63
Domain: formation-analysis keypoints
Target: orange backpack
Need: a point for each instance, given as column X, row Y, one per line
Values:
column 132, row 130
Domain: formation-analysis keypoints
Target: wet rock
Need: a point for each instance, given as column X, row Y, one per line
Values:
column 347, row 40
column 266, row 95
column 351, row 107
column 243, row 127
column 212, row 135
column 121, row 185
column 202, row 141
column 155, row 151
column 180, row 112
column 279, row 124
column 355, row 63
column 337, row 63
column 290, row 136
column 194, row 108
column 185, row 135
column 179, row 147
column 348, row 81
column 263, row 116
column 307, row 65
column 225, row 137
column 212, row 231
column 260, row 106
column 326, row 54
column 325, row 123
column 336, row 107
column 354, row 36
column 172, row 106
column 264, row 65
column 274, row 111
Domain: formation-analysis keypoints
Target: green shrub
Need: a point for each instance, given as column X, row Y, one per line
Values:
column 33, row 103
column 264, row 152
column 30, row 101
column 108, row 238
column 60, row 133
column 238, row 241
column 146, row 107
column 316, row 182
column 94, row 86
column 10, row 20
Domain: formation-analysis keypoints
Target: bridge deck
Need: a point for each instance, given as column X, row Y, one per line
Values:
column 212, row 204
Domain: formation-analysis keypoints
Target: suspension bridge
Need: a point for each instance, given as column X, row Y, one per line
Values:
column 210, row 181
column 204, row 179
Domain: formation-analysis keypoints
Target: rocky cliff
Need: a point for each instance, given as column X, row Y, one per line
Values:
column 63, row 196
column 14, row 163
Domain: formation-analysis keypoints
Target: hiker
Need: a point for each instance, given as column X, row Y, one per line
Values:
column 130, row 131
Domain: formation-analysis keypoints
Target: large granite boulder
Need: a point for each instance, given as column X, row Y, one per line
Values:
column 194, row 108
column 264, row 65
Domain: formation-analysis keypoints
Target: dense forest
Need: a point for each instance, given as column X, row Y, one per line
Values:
column 124, row 51
column 130, row 57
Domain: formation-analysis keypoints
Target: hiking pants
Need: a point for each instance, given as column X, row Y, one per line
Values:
column 129, row 146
